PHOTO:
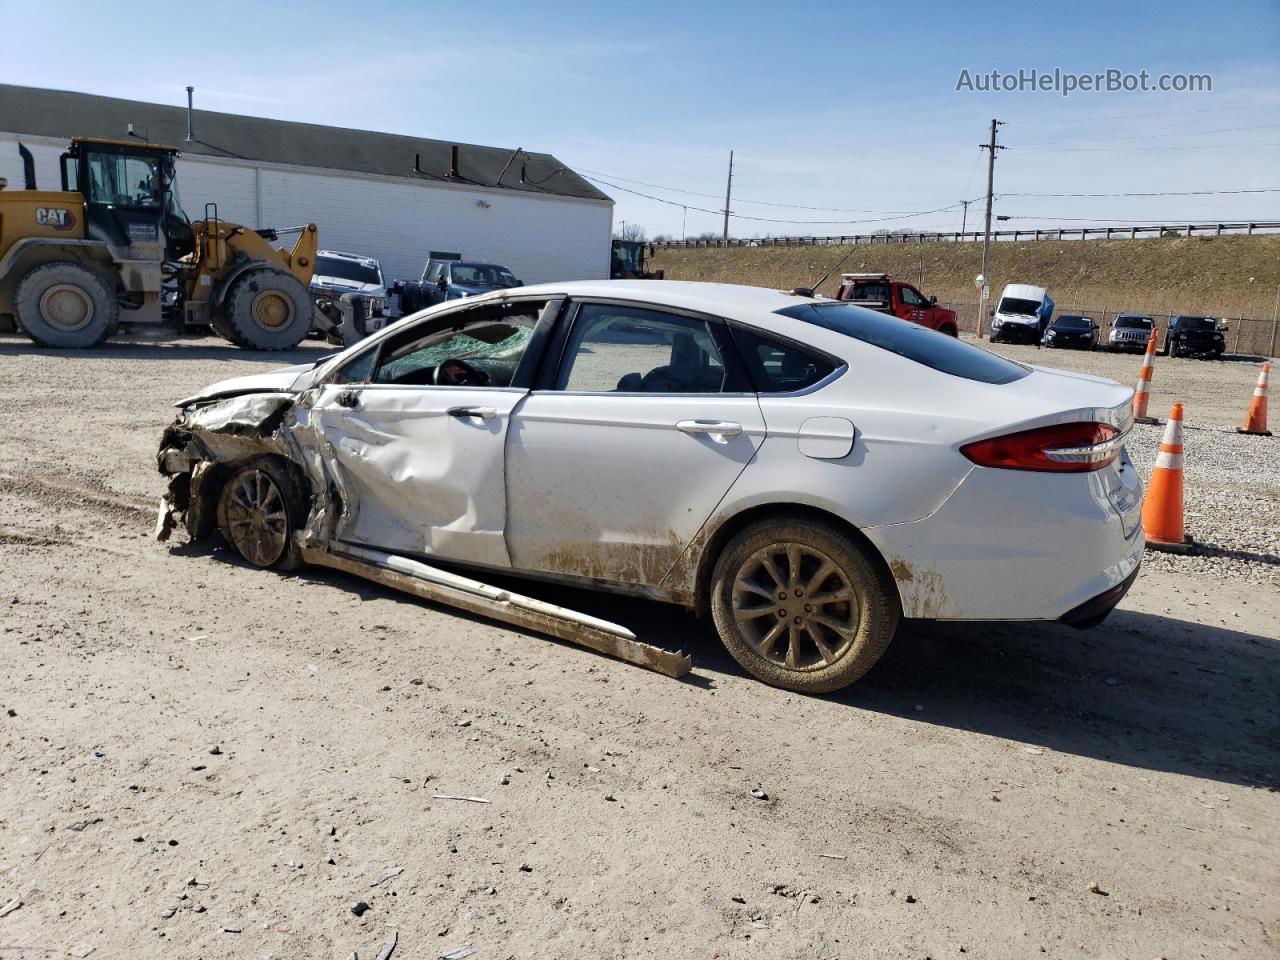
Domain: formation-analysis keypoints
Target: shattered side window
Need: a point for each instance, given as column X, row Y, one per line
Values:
column 496, row 347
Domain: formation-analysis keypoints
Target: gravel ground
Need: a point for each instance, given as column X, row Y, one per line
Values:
column 201, row 759
column 1231, row 481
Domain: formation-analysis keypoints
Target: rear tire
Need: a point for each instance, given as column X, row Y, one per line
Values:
column 65, row 305
column 762, row 592
column 268, row 309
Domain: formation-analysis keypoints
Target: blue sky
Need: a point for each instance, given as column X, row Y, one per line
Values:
column 830, row 105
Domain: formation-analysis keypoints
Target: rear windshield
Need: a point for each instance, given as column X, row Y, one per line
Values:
column 937, row 350
column 1071, row 322
column 1126, row 322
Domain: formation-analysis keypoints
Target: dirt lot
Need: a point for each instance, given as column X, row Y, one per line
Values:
column 201, row 759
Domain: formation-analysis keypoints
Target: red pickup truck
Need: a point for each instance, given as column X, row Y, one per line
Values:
column 877, row 292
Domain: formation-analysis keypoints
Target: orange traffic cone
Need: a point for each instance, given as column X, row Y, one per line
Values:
column 1143, row 391
column 1162, row 511
column 1255, row 421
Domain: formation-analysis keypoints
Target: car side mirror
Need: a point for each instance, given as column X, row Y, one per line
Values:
column 442, row 283
column 933, row 300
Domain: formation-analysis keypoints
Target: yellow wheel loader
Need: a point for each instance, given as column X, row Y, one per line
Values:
column 114, row 247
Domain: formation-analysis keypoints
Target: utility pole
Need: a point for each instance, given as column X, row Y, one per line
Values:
column 964, row 217
column 991, row 146
column 728, row 192
column 684, row 217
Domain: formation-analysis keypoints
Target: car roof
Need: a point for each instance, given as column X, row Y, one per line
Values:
column 720, row 299
column 1023, row 291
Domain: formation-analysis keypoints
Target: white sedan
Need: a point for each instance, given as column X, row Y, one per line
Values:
column 806, row 471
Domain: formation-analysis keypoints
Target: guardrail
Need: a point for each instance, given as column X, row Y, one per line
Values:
column 1247, row 227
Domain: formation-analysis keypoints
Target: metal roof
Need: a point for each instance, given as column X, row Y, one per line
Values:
column 63, row 114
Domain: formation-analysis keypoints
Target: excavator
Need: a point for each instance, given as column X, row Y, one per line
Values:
column 114, row 248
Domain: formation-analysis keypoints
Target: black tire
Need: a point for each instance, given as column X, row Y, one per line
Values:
column 806, row 666
column 265, row 540
column 268, row 309
column 65, row 305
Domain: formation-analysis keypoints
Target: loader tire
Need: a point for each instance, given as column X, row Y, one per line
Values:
column 220, row 326
column 268, row 310
column 65, row 305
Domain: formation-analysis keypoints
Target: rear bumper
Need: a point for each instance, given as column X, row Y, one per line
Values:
column 1093, row 611
column 1015, row 545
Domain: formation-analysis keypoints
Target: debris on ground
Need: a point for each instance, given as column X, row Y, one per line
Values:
column 386, row 875
column 449, row 796
column 388, row 947
column 759, row 794
column 1095, row 887
column 9, row 907
column 459, row 953
column 360, row 908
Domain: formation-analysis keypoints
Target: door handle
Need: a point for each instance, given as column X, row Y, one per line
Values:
column 482, row 413
column 348, row 398
column 725, row 428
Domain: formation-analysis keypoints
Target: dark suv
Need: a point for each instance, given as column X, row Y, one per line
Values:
column 1193, row 337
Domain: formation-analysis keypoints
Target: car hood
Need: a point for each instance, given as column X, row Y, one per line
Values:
column 1030, row 321
column 346, row 286
column 275, row 381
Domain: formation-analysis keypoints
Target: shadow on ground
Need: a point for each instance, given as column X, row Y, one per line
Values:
column 1142, row 690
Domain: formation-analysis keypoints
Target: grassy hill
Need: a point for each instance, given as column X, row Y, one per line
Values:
column 1233, row 276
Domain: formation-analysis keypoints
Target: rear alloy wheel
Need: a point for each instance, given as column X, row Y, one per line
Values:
column 268, row 309
column 65, row 305
column 255, row 516
column 800, row 606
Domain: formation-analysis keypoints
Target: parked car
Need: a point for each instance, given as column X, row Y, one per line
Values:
column 449, row 279
column 803, row 470
column 1130, row 331
column 1021, row 315
column 1194, row 337
column 876, row 291
column 340, row 273
column 1073, row 331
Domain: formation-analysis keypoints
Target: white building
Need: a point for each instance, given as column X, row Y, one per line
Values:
column 380, row 195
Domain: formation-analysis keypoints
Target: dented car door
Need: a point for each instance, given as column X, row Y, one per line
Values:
column 416, row 438
column 615, row 463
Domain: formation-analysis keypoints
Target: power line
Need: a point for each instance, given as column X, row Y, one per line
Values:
column 715, row 196
column 740, row 216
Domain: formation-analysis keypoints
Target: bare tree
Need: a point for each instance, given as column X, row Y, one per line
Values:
column 631, row 231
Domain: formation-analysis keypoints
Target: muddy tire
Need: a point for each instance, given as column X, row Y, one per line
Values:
column 65, row 305
column 801, row 606
column 259, row 509
column 220, row 326
column 267, row 310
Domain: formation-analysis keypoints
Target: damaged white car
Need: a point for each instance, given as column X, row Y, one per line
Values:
column 806, row 472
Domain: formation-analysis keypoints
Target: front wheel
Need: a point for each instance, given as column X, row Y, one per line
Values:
column 801, row 606
column 258, row 513
column 65, row 305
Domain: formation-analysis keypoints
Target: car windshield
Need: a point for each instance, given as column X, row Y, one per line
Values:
column 482, row 275
column 868, row 290
column 1075, row 323
column 355, row 271
column 1133, row 323
column 910, row 340
column 1018, row 306
column 1197, row 323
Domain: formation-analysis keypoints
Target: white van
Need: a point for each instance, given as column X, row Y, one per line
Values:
column 1021, row 314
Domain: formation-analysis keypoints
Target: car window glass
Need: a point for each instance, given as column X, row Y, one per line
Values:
column 623, row 349
column 910, row 340
column 490, row 349
column 358, row 369
column 911, row 298
column 433, row 274
column 776, row 366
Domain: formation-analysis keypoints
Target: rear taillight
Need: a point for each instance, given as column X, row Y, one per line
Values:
column 1063, row 448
